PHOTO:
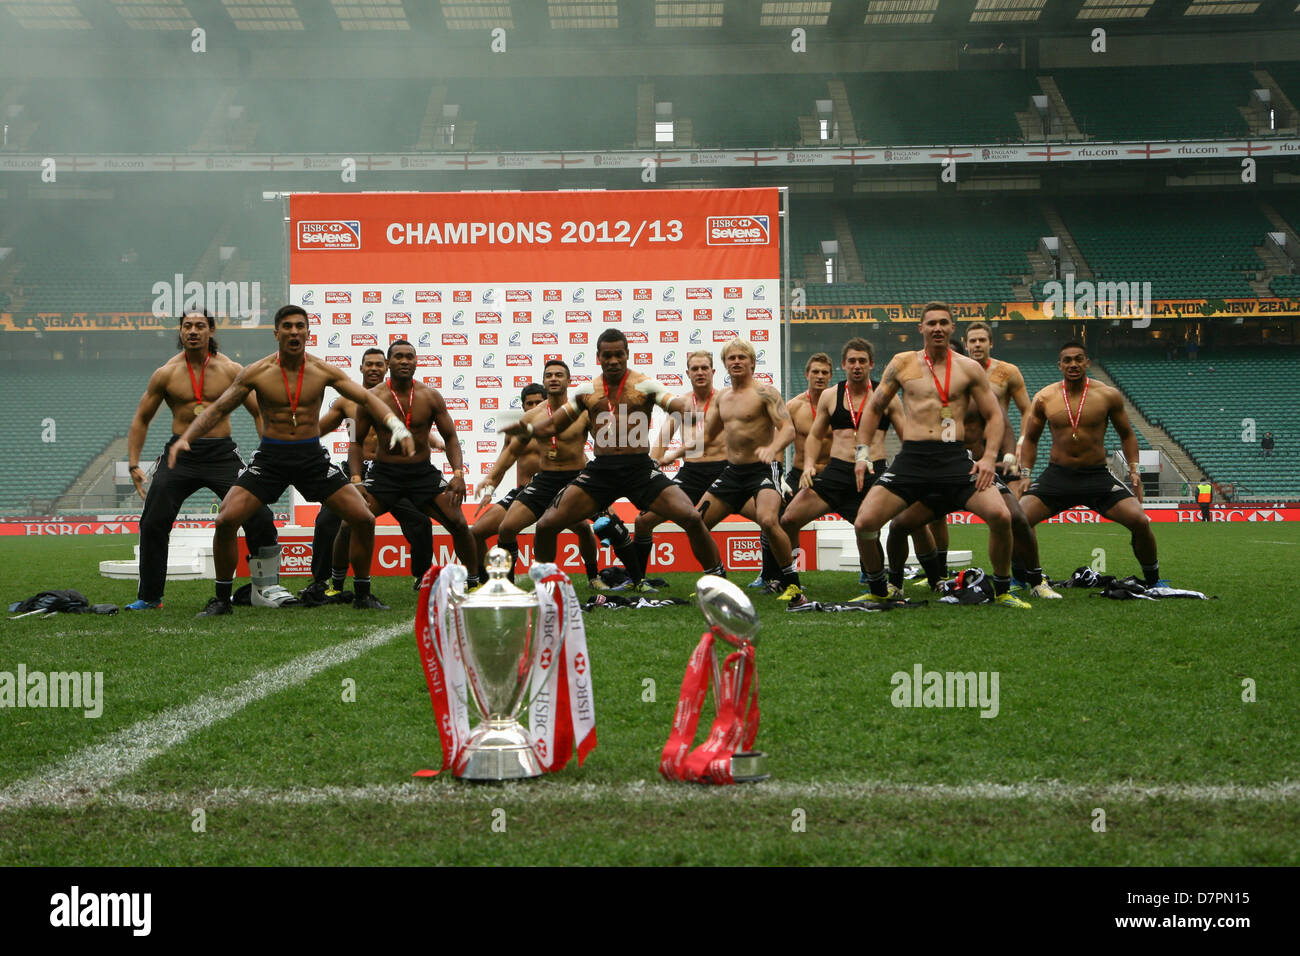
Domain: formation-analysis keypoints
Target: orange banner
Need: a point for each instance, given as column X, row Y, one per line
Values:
column 541, row 236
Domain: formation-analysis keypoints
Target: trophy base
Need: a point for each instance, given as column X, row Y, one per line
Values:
column 749, row 766
column 499, row 750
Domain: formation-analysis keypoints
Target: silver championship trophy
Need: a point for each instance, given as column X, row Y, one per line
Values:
column 729, row 609
column 498, row 644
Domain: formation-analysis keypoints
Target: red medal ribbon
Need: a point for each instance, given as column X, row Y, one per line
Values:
column 198, row 385
column 734, row 728
column 699, row 421
column 947, row 376
column 405, row 411
column 550, row 415
column 617, row 395
column 695, row 684
column 1074, row 416
column 857, row 416
column 293, row 399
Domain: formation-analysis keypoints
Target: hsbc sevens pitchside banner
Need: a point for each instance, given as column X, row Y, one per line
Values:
column 488, row 287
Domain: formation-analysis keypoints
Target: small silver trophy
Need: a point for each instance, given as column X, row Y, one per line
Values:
column 728, row 608
column 498, row 646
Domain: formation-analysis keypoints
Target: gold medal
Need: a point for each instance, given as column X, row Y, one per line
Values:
column 947, row 413
column 551, row 455
column 198, row 409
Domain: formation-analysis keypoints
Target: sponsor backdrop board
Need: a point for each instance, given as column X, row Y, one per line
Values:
column 489, row 286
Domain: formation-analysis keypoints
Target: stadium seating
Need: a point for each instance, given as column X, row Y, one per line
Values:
column 961, row 251
column 722, row 113
column 105, row 257
column 1186, row 247
column 1208, row 406
column 900, row 109
column 1157, row 102
column 83, row 426
column 335, row 115
column 551, row 113
column 117, row 115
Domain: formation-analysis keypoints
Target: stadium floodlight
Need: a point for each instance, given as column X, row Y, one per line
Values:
column 1007, row 11
column 582, row 14
column 1220, row 8
column 794, row 13
column 688, row 13
column 263, row 15
column 901, row 11
column 371, row 14
column 1113, row 9
column 477, row 15
column 155, row 14
column 47, row 16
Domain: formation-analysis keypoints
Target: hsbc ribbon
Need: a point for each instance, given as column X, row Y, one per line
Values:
column 563, row 706
column 443, row 668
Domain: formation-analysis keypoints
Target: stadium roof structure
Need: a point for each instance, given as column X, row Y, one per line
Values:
column 621, row 22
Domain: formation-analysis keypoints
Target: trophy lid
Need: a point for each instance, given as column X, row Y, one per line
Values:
column 727, row 607
column 499, row 591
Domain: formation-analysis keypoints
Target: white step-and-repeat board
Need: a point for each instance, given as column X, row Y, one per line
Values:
column 488, row 287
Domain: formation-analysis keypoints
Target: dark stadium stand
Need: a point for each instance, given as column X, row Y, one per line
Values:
column 92, row 256
column 810, row 225
column 38, row 470
column 961, row 251
column 117, row 115
column 937, row 108
column 721, row 108
column 1202, row 405
column 335, row 115
column 1186, row 247
column 550, row 113
column 1157, row 102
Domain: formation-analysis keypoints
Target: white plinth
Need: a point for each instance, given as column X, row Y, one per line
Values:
column 189, row 558
column 837, row 548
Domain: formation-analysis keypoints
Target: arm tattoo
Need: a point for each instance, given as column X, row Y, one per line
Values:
column 777, row 409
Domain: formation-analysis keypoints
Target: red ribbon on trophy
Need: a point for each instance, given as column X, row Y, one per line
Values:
column 561, row 708
column 735, row 724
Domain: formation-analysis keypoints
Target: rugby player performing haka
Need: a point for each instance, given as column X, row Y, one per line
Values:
column 1006, row 383
column 410, row 474
column 544, row 469
column 802, row 408
column 618, row 403
column 330, row 537
column 290, row 452
column 934, row 472
column 702, row 462
column 834, row 487
column 187, row 383
column 757, row 428
column 1077, row 409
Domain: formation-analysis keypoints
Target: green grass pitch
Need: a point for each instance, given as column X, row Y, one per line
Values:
column 1134, row 709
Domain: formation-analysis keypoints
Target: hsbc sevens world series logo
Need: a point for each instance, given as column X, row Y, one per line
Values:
column 738, row 230
column 316, row 235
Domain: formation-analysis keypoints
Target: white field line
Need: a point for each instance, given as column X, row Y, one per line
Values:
column 78, row 777
column 658, row 793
